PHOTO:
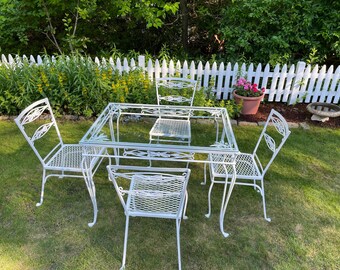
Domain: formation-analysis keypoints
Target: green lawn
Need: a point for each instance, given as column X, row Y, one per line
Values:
column 302, row 188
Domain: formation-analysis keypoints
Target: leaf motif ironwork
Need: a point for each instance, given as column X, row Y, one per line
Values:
column 158, row 154
column 270, row 142
column 41, row 131
column 221, row 145
column 168, row 112
column 175, row 99
column 175, row 85
column 33, row 114
column 279, row 125
column 99, row 137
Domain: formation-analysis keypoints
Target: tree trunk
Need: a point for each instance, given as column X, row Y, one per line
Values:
column 184, row 17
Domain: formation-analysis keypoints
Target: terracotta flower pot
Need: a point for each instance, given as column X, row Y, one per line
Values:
column 250, row 104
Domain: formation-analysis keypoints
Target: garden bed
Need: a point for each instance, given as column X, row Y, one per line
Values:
column 292, row 113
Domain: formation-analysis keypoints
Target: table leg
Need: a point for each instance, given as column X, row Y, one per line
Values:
column 88, row 177
column 225, row 199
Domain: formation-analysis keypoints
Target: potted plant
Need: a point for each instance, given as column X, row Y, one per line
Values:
column 249, row 95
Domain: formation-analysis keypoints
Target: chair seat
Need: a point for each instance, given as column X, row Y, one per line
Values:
column 69, row 157
column 246, row 166
column 171, row 128
column 155, row 195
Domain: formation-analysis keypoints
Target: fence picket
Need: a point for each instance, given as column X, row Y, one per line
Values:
column 297, row 82
column 289, row 83
column 112, row 63
column 200, row 73
column 171, row 68
column 192, row 71
column 250, row 72
column 150, row 70
column 4, row 59
column 164, row 68
column 206, row 75
column 132, row 64
column 141, row 62
column 332, row 90
column 326, row 84
column 126, row 65
column 304, row 81
column 185, row 71
column 157, row 69
column 213, row 75
column 228, row 88
column 178, row 69
column 303, row 84
column 272, row 88
column 320, row 81
column 311, row 83
column 219, row 81
column 266, row 75
column 282, row 80
column 258, row 74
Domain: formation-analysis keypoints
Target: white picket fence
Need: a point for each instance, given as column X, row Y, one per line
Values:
column 294, row 84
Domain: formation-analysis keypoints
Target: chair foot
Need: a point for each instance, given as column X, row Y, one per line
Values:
column 185, row 217
column 225, row 234
column 90, row 224
column 207, row 215
column 203, row 183
column 122, row 268
column 268, row 219
column 38, row 204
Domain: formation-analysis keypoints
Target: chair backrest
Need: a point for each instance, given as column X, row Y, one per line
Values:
column 273, row 136
column 154, row 182
column 175, row 90
column 35, row 122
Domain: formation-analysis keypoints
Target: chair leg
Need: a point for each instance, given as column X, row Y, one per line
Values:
column 42, row 188
column 178, row 226
column 264, row 202
column 225, row 201
column 125, row 242
column 185, row 205
column 205, row 175
column 88, row 177
column 209, row 197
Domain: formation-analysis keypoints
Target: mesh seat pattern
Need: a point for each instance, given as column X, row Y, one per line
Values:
column 155, row 194
column 171, row 128
column 245, row 165
column 69, row 157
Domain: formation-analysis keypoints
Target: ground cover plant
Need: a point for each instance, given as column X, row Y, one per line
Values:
column 302, row 190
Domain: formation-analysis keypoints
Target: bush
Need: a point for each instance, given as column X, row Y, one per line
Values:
column 77, row 85
column 74, row 85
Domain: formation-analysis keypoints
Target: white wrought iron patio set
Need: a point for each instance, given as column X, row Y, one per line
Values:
column 158, row 192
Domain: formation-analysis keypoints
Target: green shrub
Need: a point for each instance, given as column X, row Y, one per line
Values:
column 74, row 85
column 77, row 85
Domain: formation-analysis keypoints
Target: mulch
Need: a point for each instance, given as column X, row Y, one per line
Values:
column 292, row 113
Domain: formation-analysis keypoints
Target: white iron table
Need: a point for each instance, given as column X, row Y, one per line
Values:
column 111, row 130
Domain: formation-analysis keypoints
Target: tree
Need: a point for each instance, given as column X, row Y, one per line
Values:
column 279, row 31
column 57, row 25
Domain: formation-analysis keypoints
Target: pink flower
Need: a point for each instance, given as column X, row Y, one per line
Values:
column 246, row 88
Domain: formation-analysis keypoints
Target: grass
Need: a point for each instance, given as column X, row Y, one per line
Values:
column 302, row 189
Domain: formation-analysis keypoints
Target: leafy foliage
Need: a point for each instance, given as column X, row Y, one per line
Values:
column 275, row 31
column 280, row 31
column 77, row 85
column 73, row 84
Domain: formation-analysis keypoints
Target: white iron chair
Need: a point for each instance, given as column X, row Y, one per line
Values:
column 173, row 126
column 249, row 168
column 152, row 192
column 61, row 160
